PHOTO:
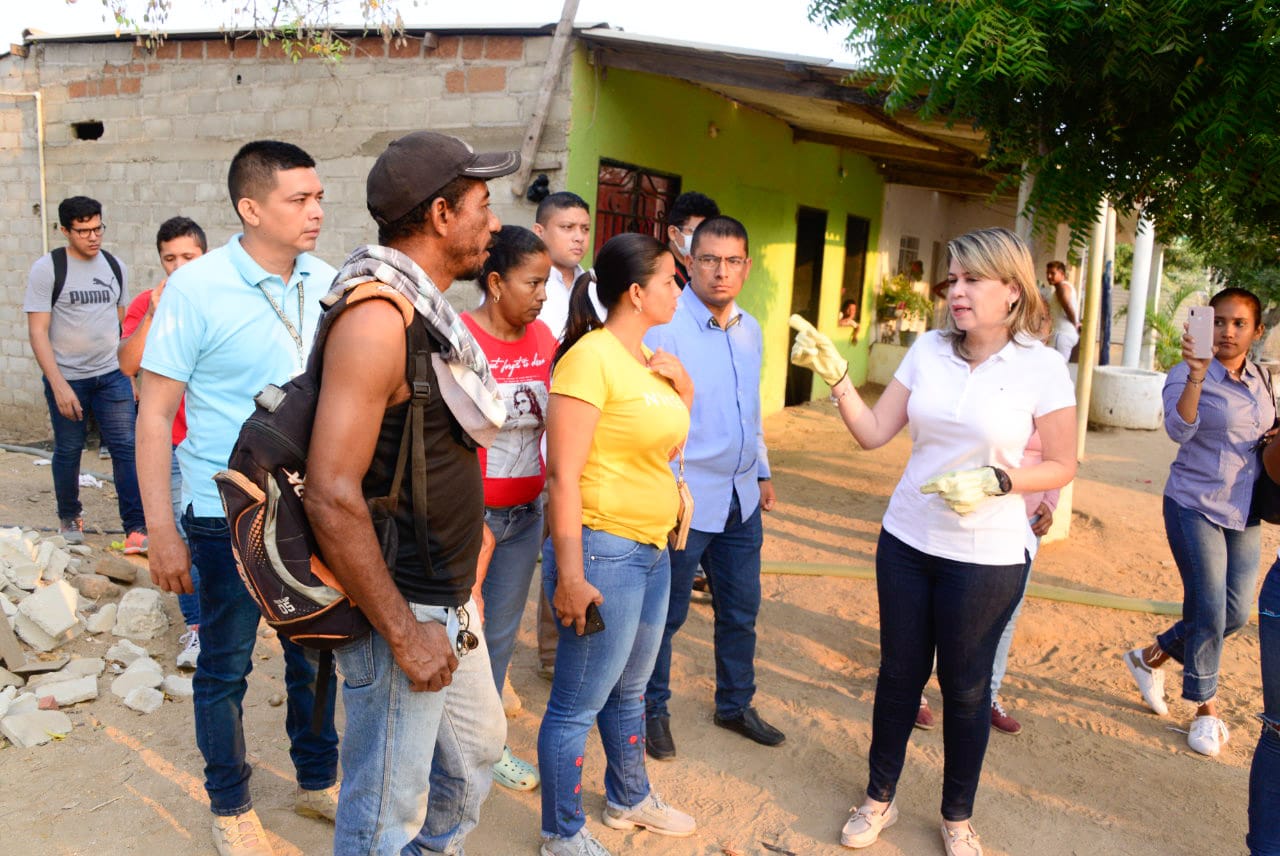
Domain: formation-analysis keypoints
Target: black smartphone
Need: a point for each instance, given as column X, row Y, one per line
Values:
column 594, row 622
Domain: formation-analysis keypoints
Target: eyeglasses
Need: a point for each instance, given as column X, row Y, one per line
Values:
column 713, row 262
column 96, row 231
column 466, row 641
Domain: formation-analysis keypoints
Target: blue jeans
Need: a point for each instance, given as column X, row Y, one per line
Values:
column 1219, row 568
column 957, row 610
column 228, row 631
column 1264, row 776
column 732, row 562
column 188, row 603
column 1001, row 664
column 109, row 398
column 518, row 531
column 601, row 678
column 415, row 765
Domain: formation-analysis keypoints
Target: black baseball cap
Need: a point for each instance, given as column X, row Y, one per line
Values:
column 415, row 167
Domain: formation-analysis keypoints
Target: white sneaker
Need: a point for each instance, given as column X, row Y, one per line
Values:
column 961, row 843
column 1207, row 735
column 241, row 835
column 581, row 844
column 652, row 814
column 191, row 650
column 1150, row 681
column 864, row 825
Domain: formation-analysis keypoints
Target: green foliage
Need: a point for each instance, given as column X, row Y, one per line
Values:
column 1171, row 104
column 300, row 27
column 898, row 295
column 1165, row 329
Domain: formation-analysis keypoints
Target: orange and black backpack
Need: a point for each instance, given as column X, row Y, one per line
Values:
column 263, row 485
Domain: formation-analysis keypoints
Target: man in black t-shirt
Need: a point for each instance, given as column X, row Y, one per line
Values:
column 424, row 720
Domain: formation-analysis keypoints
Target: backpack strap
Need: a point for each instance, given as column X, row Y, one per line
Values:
column 59, row 257
column 114, row 264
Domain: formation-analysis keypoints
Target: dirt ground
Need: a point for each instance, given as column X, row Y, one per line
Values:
column 1092, row 773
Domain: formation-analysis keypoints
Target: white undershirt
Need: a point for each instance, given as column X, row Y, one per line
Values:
column 961, row 419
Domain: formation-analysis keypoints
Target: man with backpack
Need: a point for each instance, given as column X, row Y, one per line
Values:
column 424, row 721
column 76, row 298
column 231, row 322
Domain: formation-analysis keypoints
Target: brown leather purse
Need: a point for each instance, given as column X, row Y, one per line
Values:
column 679, row 536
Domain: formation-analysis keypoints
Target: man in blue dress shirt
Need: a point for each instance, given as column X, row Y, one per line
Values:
column 727, row 469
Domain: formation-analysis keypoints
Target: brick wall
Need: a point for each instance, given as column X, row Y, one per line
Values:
column 173, row 119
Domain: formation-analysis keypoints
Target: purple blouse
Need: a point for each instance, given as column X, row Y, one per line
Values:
column 1217, row 462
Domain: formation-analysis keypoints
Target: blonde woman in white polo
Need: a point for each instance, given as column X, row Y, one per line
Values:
column 951, row 560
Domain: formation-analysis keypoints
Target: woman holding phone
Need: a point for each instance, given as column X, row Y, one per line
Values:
column 617, row 415
column 1218, row 409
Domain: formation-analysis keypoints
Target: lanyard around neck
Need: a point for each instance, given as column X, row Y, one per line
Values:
column 284, row 319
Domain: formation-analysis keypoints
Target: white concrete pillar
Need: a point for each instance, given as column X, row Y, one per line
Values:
column 1153, row 302
column 1143, row 245
column 1023, row 223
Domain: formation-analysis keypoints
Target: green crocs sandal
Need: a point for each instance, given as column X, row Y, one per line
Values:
column 513, row 773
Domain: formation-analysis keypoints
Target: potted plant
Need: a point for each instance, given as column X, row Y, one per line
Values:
column 897, row 305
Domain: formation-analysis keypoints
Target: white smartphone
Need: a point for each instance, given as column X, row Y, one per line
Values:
column 1200, row 326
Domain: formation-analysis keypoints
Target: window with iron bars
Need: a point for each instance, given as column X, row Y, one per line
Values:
column 631, row 198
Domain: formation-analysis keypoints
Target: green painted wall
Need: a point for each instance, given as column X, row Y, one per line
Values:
column 753, row 170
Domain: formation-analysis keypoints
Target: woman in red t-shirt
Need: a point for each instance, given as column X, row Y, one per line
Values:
column 520, row 349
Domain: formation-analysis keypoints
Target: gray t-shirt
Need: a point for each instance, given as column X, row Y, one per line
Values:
column 85, row 327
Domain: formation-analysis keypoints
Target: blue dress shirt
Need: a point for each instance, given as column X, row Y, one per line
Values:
column 1216, row 463
column 725, row 451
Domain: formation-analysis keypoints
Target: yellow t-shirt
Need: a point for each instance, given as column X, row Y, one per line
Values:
column 627, row 486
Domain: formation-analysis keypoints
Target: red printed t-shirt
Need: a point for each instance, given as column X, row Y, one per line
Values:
column 513, row 469
column 133, row 318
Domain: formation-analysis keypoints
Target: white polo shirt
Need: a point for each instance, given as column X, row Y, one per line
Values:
column 960, row 419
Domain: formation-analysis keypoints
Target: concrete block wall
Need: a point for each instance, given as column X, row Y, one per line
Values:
column 172, row 119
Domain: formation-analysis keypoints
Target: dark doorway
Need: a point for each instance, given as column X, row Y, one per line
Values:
column 856, row 232
column 806, row 289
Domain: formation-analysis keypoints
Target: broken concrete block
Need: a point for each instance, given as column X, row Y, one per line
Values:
column 95, row 586
column 8, row 607
column 124, row 651
column 25, row 574
column 144, row 700
column 130, row 681
column 176, row 686
column 7, row 695
column 80, row 550
column 56, row 540
column 33, row 635
column 144, row 664
column 71, row 691
column 54, row 564
column 103, row 620
column 23, row 703
column 9, row 679
column 82, row 666
column 52, row 608
column 141, row 615
column 36, row 728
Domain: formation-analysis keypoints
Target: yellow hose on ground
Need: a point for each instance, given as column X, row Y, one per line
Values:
column 1034, row 589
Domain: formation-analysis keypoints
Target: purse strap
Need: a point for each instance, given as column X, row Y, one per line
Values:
column 680, row 474
column 1266, row 381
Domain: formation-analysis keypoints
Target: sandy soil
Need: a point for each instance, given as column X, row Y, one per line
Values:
column 1092, row 772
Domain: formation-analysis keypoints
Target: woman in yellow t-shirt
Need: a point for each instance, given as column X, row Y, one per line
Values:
column 617, row 414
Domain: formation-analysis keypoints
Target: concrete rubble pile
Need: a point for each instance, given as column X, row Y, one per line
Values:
column 52, row 594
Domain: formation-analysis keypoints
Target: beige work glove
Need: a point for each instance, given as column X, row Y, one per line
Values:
column 814, row 351
column 965, row 490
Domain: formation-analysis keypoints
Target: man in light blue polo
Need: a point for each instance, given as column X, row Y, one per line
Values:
column 727, row 469
column 231, row 322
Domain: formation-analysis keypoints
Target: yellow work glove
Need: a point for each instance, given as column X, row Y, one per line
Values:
column 965, row 490
column 814, row 351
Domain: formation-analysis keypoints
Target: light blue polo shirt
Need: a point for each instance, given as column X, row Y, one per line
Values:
column 216, row 331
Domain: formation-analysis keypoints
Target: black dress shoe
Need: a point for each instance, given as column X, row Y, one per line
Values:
column 657, row 738
column 749, row 724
